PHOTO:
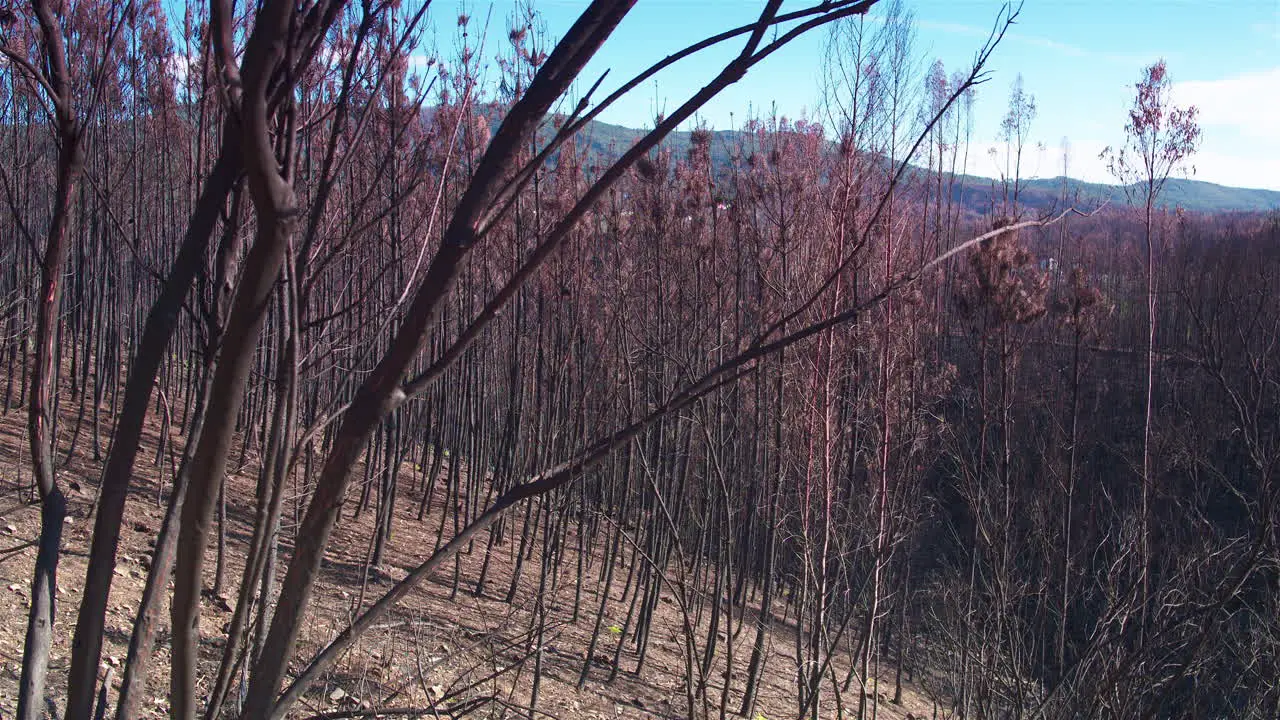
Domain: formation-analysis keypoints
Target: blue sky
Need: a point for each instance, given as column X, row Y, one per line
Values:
column 1079, row 58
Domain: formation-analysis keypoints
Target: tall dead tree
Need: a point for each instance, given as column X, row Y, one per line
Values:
column 1160, row 137
column 52, row 73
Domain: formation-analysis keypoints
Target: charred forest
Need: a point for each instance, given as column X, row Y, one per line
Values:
column 345, row 375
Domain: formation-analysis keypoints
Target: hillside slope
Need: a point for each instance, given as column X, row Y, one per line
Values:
column 447, row 650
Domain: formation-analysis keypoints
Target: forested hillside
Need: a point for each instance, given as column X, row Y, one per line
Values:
column 982, row 194
column 319, row 404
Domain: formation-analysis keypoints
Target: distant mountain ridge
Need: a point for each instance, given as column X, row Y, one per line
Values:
column 975, row 192
column 1194, row 195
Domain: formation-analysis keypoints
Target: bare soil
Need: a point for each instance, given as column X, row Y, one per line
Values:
column 436, row 643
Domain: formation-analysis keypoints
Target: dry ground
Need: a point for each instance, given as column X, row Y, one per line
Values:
column 432, row 643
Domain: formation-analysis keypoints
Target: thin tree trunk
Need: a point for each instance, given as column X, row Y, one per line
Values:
column 40, row 413
column 157, row 334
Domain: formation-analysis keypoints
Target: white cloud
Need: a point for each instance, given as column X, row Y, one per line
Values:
column 1269, row 30
column 1260, row 170
column 1248, row 103
column 1040, row 160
